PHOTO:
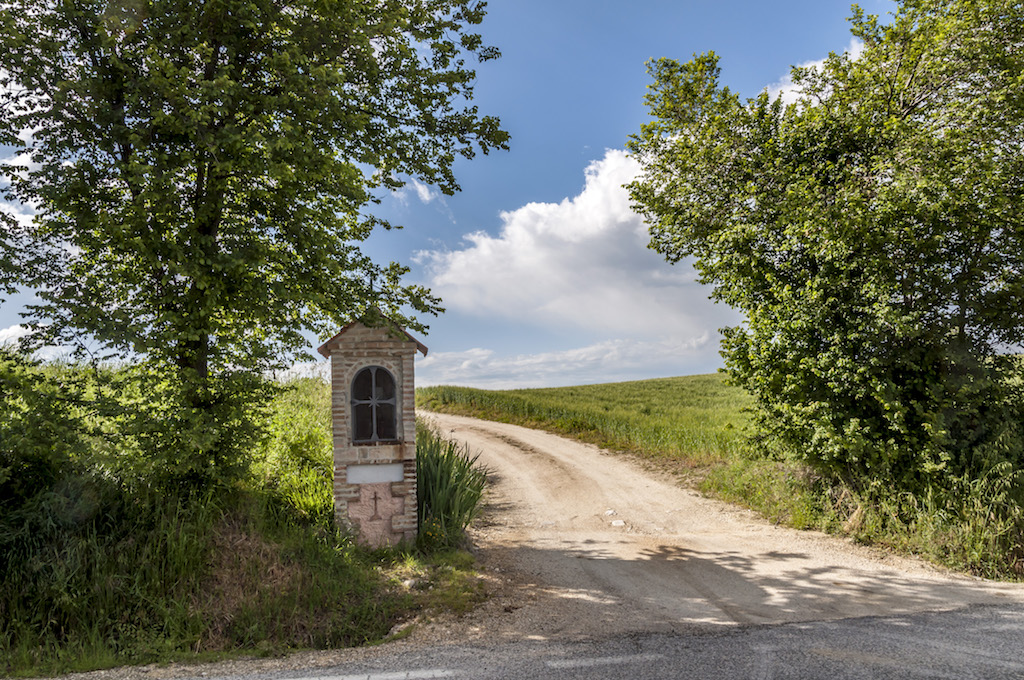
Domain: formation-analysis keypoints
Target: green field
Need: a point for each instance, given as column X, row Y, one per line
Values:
column 697, row 421
column 699, row 426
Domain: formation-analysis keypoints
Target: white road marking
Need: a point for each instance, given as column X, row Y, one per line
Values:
column 425, row 674
column 604, row 661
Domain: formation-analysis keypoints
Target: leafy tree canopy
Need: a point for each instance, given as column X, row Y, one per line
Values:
column 201, row 170
column 202, row 173
column 870, row 232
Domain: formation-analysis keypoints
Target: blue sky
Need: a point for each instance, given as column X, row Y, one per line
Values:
column 540, row 263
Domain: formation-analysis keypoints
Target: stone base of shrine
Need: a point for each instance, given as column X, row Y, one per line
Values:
column 379, row 513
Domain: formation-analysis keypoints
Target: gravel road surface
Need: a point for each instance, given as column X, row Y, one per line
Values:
column 593, row 544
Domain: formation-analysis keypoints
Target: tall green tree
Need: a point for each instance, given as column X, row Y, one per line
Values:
column 870, row 233
column 203, row 170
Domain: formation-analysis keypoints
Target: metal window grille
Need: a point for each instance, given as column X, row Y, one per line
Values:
column 374, row 406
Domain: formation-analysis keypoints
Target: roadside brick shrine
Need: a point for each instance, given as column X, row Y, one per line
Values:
column 374, row 420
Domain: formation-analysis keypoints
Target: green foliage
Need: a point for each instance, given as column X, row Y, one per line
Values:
column 871, row 235
column 40, row 432
column 697, row 418
column 134, row 421
column 295, row 461
column 449, row 485
column 299, row 432
column 102, row 565
column 15, row 254
column 187, row 438
column 208, row 162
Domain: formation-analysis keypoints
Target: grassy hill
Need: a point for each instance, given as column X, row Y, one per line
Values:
column 696, row 421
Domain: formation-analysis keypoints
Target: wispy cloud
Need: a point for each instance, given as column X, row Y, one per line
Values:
column 607, row 361
column 415, row 190
column 424, row 193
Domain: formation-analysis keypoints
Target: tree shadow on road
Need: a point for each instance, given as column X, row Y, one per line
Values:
column 567, row 588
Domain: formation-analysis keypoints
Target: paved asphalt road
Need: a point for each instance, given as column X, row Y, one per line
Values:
column 980, row 642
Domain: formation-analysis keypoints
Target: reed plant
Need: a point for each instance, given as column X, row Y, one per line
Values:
column 450, row 485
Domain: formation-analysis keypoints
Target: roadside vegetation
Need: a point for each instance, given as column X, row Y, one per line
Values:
column 699, row 427
column 102, row 564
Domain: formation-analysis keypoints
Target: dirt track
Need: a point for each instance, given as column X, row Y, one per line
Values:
column 581, row 542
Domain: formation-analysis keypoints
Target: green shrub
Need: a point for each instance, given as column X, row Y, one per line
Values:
column 450, row 485
column 295, row 460
column 784, row 492
column 41, row 435
column 188, row 439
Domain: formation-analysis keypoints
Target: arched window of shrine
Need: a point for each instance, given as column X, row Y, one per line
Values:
column 374, row 410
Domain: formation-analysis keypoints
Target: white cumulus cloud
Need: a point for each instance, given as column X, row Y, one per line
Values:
column 581, row 264
column 21, row 212
column 11, row 334
column 579, row 270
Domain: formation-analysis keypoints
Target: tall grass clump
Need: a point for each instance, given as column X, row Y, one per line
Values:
column 94, row 576
column 971, row 524
column 450, row 486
